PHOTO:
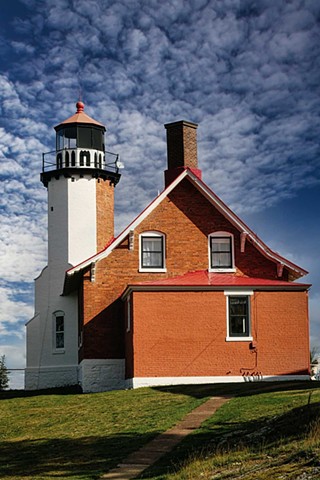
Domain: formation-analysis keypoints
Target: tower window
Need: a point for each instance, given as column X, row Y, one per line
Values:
column 58, row 330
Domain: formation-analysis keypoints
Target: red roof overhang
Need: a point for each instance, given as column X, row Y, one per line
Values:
column 205, row 281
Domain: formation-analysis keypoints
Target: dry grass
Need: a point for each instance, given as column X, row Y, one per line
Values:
column 266, row 436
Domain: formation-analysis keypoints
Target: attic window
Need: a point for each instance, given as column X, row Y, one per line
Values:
column 152, row 252
column 221, row 252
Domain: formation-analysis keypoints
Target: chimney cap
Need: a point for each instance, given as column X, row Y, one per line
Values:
column 181, row 122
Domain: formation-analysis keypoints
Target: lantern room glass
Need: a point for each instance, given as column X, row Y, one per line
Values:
column 88, row 137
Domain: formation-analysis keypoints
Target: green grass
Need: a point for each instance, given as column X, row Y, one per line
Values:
column 81, row 436
column 266, row 431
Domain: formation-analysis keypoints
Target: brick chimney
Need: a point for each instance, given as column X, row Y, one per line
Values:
column 182, row 149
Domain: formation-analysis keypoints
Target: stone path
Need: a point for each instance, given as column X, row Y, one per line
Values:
column 140, row 460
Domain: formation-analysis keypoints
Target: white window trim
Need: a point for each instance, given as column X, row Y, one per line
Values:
column 152, row 234
column 57, row 313
column 238, row 293
column 217, row 269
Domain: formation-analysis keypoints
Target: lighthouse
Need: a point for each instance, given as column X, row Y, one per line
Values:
column 80, row 176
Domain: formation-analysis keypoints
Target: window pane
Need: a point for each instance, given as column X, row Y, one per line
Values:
column 239, row 316
column 59, row 331
column 152, row 259
column 221, row 244
column 97, row 139
column 84, row 137
column 221, row 252
column 59, row 140
column 59, row 324
column 59, row 340
column 238, row 305
column 238, row 325
column 151, row 245
column 221, row 260
column 152, row 252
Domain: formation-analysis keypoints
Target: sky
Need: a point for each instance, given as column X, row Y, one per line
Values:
column 248, row 72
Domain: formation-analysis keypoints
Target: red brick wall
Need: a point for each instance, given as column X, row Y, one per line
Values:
column 186, row 218
column 182, row 144
column 282, row 329
column 184, row 334
column 105, row 212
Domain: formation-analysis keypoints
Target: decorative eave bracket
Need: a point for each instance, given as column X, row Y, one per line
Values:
column 243, row 238
column 131, row 240
column 93, row 272
column 279, row 269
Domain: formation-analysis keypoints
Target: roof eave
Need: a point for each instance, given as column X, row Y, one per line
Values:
column 213, row 288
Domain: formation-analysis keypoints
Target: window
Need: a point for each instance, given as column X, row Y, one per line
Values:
column 221, row 252
column 152, row 250
column 238, row 316
column 58, row 333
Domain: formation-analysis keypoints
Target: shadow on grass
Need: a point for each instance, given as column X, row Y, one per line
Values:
column 88, row 457
column 71, row 390
column 244, row 389
column 256, row 436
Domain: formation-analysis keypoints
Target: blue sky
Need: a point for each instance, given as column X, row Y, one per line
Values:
column 247, row 71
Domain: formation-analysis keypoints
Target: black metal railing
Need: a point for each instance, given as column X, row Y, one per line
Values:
column 80, row 158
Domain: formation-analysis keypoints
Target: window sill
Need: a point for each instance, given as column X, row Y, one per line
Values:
column 152, row 270
column 58, row 351
column 222, row 270
column 239, row 339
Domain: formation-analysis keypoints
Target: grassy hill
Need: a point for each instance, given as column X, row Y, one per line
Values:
column 267, row 431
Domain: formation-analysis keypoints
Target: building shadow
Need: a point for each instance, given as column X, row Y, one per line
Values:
column 88, row 457
column 244, row 389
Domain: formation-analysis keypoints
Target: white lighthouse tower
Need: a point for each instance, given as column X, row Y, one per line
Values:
column 80, row 184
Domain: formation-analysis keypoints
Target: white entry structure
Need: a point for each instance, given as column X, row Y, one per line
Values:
column 80, row 186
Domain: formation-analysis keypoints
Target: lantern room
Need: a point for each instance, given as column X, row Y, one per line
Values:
column 80, row 144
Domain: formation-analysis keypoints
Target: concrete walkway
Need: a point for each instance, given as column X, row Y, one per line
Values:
column 140, row 460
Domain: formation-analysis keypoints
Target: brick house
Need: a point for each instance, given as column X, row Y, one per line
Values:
column 187, row 293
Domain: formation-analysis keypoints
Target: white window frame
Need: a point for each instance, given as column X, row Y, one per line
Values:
column 221, row 269
column 152, row 269
column 239, row 293
column 55, row 315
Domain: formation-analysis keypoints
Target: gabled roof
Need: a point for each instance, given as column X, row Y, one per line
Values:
column 295, row 270
column 204, row 280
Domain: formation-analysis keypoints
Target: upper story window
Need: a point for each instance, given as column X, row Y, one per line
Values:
column 58, row 330
column 152, row 252
column 221, row 252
